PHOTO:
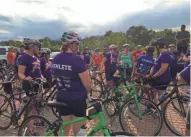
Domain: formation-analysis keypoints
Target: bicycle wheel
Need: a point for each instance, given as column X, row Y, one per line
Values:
column 54, row 110
column 96, row 89
column 39, row 108
column 175, row 117
column 34, row 126
column 6, row 110
column 110, row 108
column 121, row 134
column 149, row 125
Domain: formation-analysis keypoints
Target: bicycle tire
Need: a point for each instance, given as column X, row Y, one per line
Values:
column 165, row 118
column 54, row 110
column 121, row 134
column 28, row 120
column 146, row 112
column 4, row 126
column 107, row 111
column 99, row 84
column 38, row 107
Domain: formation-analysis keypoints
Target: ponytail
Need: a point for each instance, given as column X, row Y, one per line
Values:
column 64, row 48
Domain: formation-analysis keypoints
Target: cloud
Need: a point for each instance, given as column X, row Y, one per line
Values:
column 52, row 20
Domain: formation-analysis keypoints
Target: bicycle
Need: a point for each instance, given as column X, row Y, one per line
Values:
column 174, row 99
column 136, row 107
column 94, row 111
column 8, row 104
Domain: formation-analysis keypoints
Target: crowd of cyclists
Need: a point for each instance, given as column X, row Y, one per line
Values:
column 71, row 69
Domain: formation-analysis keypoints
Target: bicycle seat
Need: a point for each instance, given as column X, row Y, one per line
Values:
column 93, row 109
column 54, row 104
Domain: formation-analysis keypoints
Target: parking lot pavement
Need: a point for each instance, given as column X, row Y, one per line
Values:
column 115, row 126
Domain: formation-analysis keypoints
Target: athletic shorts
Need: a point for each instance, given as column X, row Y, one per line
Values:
column 159, row 84
column 76, row 108
column 188, row 119
column 109, row 74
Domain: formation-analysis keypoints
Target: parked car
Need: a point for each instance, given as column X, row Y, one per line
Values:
column 3, row 53
column 53, row 54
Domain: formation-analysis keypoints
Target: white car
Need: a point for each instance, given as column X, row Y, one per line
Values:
column 3, row 52
column 53, row 54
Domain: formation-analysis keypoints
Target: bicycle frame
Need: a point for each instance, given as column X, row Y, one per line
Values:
column 99, row 126
column 131, row 94
column 173, row 91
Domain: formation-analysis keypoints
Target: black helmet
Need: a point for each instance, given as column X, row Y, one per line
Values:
column 159, row 42
column 150, row 49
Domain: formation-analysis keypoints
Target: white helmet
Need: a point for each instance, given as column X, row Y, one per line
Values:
column 112, row 46
column 70, row 37
column 139, row 46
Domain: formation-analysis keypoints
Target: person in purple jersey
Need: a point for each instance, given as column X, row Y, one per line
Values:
column 45, row 66
column 73, row 81
column 174, row 57
column 28, row 65
column 186, row 58
column 37, row 48
column 110, row 62
column 87, row 56
column 184, row 76
column 161, row 70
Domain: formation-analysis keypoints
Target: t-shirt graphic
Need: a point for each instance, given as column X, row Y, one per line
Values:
column 144, row 64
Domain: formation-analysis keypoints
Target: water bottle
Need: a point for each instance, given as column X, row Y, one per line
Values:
column 162, row 96
column 82, row 131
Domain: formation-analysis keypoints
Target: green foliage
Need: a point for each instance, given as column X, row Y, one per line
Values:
column 134, row 36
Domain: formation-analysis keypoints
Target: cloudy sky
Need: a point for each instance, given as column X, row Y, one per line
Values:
column 41, row 18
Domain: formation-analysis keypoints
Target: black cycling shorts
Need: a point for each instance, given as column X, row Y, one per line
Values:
column 74, row 107
column 188, row 119
column 109, row 74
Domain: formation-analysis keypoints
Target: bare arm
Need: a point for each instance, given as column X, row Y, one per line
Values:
column 164, row 67
column 119, row 59
column 85, row 78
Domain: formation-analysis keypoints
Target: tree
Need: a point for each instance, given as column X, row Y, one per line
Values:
column 139, row 35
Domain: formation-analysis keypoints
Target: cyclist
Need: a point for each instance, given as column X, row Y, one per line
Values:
column 161, row 70
column 135, row 54
column 186, row 58
column 110, row 62
column 73, row 81
column 29, row 65
column 22, row 49
column 184, row 76
column 45, row 66
column 37, row 49
column 97, row 59
column 145, row 62
column 104, row 51
column 87, row 56
column 11, row 56
column 126, row 58
column 173, row 65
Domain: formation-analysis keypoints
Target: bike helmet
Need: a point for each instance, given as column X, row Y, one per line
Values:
column 70, row 37
column 112, row 46
column 171, row 45
column 159, row 42
column 97, row 49
column 139, row 46
column 47, row 51
column 126, row 45
column 31, row 43
column 150, row 49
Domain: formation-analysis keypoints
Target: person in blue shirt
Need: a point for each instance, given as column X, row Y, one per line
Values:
column 145, row 62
